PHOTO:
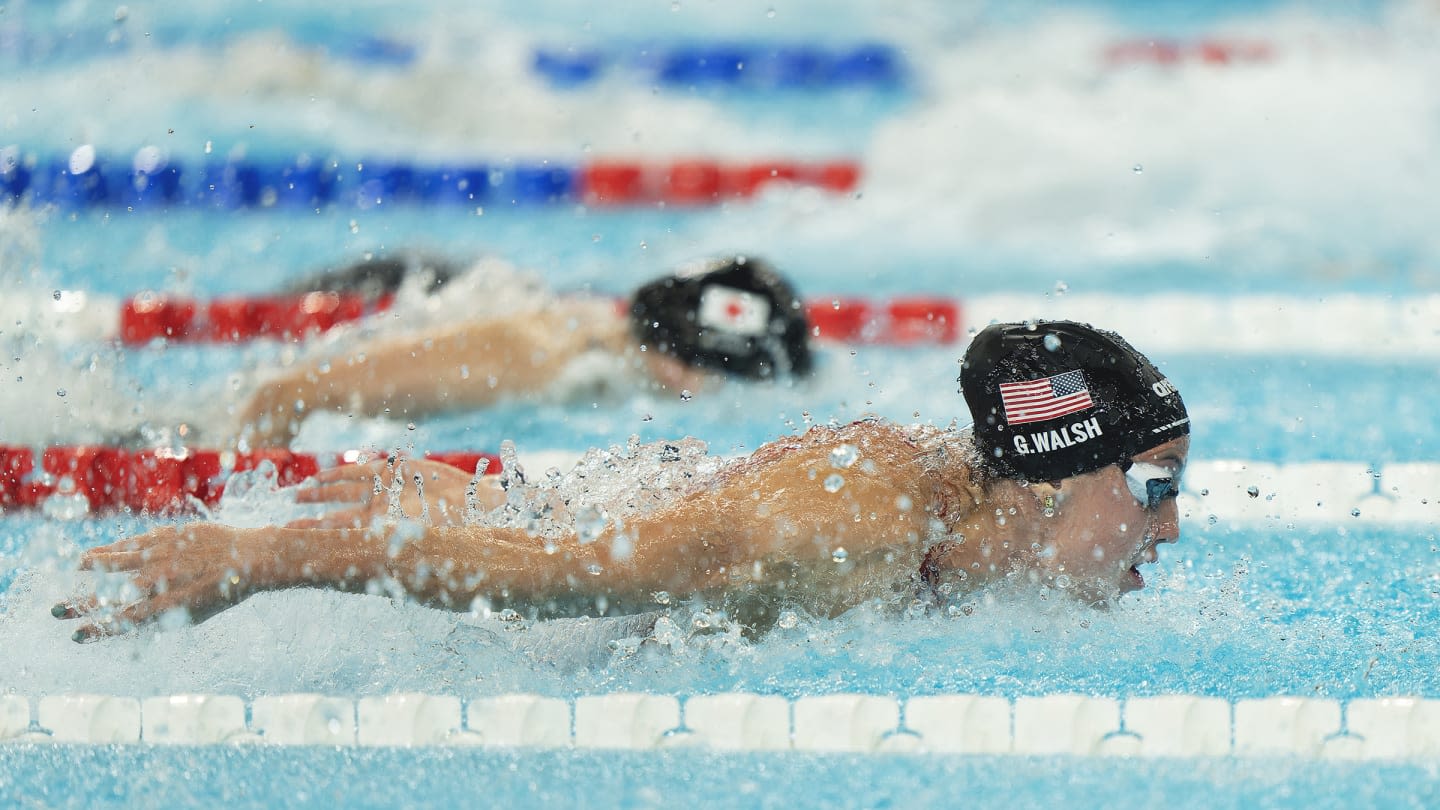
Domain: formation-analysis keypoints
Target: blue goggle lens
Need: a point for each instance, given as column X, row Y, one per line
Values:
column 1151, row 483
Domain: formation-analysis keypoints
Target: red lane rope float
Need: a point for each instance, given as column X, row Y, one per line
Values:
column 160, row 480
column 149, row 317
column 703, row 182
column 900, row 321
column 1175, row 52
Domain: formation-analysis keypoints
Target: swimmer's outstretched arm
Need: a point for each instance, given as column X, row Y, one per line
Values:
column 774, row 509
column 465, row 366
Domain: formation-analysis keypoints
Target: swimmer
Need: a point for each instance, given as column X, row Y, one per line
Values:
column 734, row 317
column 1066, row 479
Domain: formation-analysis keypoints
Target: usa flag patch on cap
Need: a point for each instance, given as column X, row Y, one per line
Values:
column 727, row 309
column 1045, row 398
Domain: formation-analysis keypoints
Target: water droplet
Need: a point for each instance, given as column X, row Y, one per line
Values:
column 1063, row 581
column 685, row 395
column 844, row 456
column 62, row 506
column 1355, row 512
column 1052, row 342
column 593, row 569
column 82, row 159
column 589, row 524
column 662, row 597
column 840, row 555
column 1061, row 288
column 1138, row 169
column 770, row 13
column 788, row 620
column 1253, row 491
column 60, row 393
column 834, row 482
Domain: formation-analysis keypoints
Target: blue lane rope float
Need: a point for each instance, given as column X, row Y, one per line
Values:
column 34, row 48
column 150, row 179
column 745, row 66
column 758, row 66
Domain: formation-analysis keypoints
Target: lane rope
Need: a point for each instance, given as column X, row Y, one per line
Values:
column 149, row 317
column 1343, row 325
column 108, row 479
column 1242, row 492
column 1188, row 726
column 150, row 180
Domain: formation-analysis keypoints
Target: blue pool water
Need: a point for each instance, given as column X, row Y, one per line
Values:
column 1013, row 162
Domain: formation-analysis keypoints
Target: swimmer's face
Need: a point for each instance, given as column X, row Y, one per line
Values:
column 1102, row 532
column 672, row 375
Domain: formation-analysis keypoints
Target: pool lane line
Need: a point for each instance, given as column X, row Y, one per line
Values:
column 92, row 480
column 1141, row 726
column 1347, row 325
column 151, row 180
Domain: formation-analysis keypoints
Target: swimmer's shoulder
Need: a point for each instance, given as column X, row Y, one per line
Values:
column 872, row 445
column 877, row 434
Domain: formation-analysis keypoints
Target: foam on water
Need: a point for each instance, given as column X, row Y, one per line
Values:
column 1214, row 624
column 1023, row 143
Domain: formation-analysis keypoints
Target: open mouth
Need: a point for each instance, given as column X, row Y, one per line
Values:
column 1134, row 581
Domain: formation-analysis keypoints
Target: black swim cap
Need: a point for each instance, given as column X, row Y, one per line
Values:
column 379, row 276
column 734, row 315
column 1052, row 399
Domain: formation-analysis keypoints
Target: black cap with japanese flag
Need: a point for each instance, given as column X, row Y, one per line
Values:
column 734, row 315
column 1052, row 399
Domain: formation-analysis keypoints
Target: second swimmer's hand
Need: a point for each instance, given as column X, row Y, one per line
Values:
column 359, row 494
column 201, row 568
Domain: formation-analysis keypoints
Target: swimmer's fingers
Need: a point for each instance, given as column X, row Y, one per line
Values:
column 106, row 561
column 136, row 543
column 75, row 608
column 128, row 618
column 159, row 544
column 81, row 606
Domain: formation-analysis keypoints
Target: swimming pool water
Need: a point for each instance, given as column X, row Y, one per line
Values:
column 1016, row 162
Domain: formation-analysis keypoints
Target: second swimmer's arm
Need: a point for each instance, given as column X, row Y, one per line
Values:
column 463, row 367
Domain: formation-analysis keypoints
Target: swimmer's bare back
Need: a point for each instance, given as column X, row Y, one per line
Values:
column 776, row 522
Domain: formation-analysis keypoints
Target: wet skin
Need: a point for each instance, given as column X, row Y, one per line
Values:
column 767, row 524
column 1092, row 545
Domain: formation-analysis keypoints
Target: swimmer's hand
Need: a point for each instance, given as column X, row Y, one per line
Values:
column 351, row 491
column 202, row 568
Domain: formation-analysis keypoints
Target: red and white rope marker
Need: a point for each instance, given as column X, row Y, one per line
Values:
column 160, row 480
column 149, row 317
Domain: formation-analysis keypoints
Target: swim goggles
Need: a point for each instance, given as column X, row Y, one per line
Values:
column 1150, row 483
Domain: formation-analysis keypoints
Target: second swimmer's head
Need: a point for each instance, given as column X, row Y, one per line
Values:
column 734, row 315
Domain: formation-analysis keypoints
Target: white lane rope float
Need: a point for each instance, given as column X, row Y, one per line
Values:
column 1172, row 726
